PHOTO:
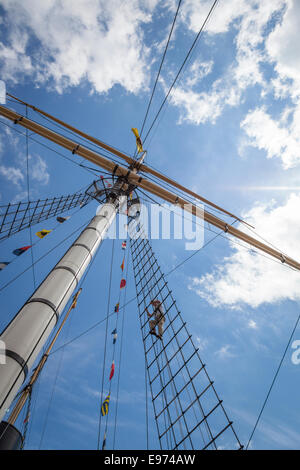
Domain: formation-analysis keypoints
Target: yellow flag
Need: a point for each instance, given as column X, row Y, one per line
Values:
column 43, row 233
column 105, row 405
column 138, row 140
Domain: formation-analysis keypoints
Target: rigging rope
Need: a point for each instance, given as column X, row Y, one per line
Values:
column 232, row 240
column 45, row 146
column 58, row 370
column 179, row 428
column 37, row 383
column 28, row 411
column 43, row 256
column 120, row 354
column 159, row 70
column 273, row 381
column 157, row 293
column 28, row 199
column 105, row 342
column 182, row 66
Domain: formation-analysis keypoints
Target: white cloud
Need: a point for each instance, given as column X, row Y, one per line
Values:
column 13, row 57
column 194, row 13
column 280, row 137
column 245, row 278
column 225, row 352
column 202, row 343
column 273, row 136
column 198, row 108
column 251, row 19
column 252, row 324
column 16, row 174
column 271, row 432
column 198, row 71
column 13, row 174
column 283, row 43
column 20, row 197
column 38, row 170
column 98, row 41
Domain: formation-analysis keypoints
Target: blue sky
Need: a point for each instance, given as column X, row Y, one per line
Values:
column 230, row 132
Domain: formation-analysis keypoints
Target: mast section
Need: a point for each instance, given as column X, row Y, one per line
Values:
column 27, row 333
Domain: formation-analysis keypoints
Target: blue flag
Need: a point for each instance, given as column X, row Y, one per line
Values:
column 20, row 251
column 114, row 333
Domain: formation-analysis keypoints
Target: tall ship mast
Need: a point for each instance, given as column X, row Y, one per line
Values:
column 106, row 227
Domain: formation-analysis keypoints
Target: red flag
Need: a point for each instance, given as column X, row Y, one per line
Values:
column 123, row 245
column 27, row 418
column 112, row 370
column 123, row 283
column 20, row 251
column 122, row 265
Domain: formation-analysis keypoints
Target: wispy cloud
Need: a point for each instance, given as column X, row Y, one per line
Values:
column 270, row 433
column 252, row 324
column 39, row 170
column 225, row 352
column 12, row 174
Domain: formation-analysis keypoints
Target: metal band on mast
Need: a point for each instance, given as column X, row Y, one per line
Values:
column 9, row 431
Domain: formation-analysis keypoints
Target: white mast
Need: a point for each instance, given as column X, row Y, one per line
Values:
column 26, row 334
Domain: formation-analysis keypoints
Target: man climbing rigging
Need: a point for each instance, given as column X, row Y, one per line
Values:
column 159, row 318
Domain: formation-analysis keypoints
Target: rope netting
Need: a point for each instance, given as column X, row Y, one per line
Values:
column 188, row 411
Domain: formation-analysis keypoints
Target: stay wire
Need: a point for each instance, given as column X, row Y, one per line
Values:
column 113, row 358
column 80, row 285
column 36, row 243
column 159, row 70
column 235, row 242
column 42, row 257
column 28, row 411
column 79, row 137
column 273, row 381
column 33, row 244
column 167, row 274
column 45, row 146
column 105, row 342
column 183, row 194
column 28, row 200
column 217, row 234
column 65, row 129
column 181, row 67
column 121, row 349
column 58, row 370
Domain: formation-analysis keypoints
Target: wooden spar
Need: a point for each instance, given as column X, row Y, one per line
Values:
column 129, row 160
column 137, row 180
